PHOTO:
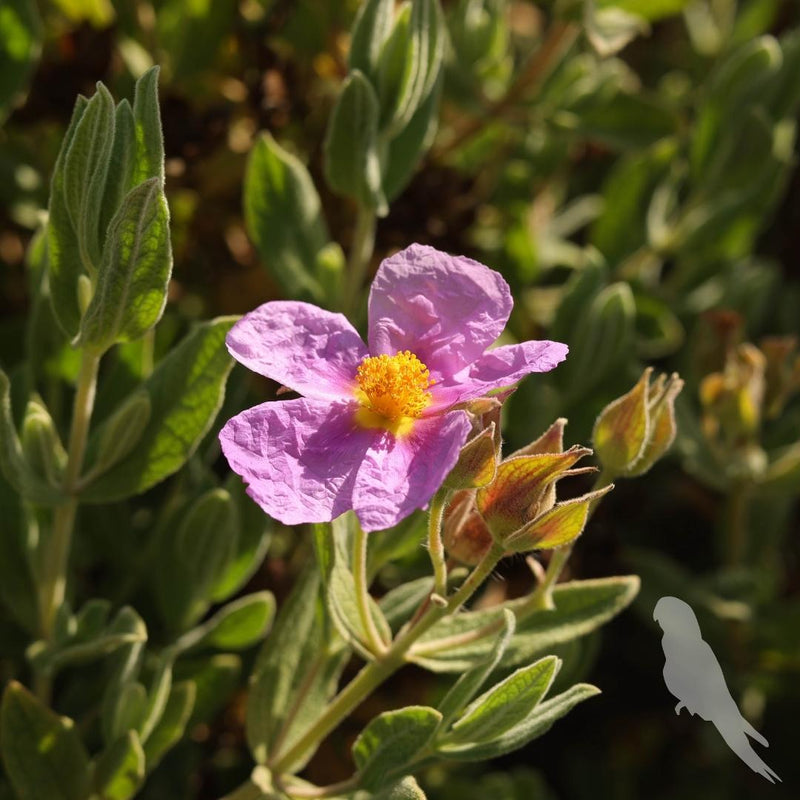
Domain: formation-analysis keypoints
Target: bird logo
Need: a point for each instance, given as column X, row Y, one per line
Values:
column 693, row 674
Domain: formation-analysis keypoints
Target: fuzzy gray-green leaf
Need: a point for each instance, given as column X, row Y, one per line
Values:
column 371, row 28
column 85, row 171
column 283, row 216
column 505, row 704
column 390, row 742
column 120, row 769
column 63, row 255
column 186, row 391
column 471, row 681
column 149, row 160
column 539, row 721
column 131, row 288
column 172, row 724
column 119, row 180
column 352, row 165
column 12, row 461
column 43, row 754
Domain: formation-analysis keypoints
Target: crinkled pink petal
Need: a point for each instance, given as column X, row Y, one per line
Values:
column 399, row 475
column 497, row 368
column 299, row 458
column 445, row 309
column 310, row 350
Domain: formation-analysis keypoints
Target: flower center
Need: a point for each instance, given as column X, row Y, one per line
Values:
column 394, row 386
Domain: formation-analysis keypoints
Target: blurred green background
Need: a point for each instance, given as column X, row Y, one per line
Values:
column 631, row 168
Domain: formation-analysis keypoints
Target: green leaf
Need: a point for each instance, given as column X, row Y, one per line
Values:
column 85, row 171
column 216, row 678
column 15, row 467
column 119, row 180
column 620, row 228
column 464, row 689
column 236, row 626
column 123, row 706
column 352, row 165
column 407, row 148
column 20, row 44
column 119, row 770
column 63, row 255
column 121, row 433
column 538, row 722
column 194, row 557
column 18, row 592
column 172, row 724
column 127, row 712
column 580, row 608
column 410, row 64
column 254, row 535
column 42, row 753
column 745, row 75
column 186, row 391
column 371, row 28
column 505, row 705
column 602, row 336
column 390, row 741
column 406, row 789
column 626, row 121
column 275, row 674
column 131, row 288
column 341, row 593
column 91, row 639
column 398, row 604
column 283, row 216
column 651, row 10
column 610, row 29
column 149, row 152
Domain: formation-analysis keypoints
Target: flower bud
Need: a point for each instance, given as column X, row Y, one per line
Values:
column 562, row 524
column 782, row 374
column 519, row 491
column 85, row 292
column 477, row 462
column 732, row 400
column 661, row 409
column 551, row 441
column 41, row 444
column 465, row 535
column 635, row 430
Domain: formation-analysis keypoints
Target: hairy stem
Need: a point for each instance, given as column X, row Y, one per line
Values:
column 435, row 545
column 359, row 257
column 56, row 554
column 374, row 642
column 737, row 509
column 542, row 596
column 376, row 672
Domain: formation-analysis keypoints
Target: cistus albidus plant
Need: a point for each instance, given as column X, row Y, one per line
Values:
column 388, row 432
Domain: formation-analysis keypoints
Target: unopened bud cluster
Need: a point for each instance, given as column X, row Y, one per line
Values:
column 634, row 431
column 512, row 502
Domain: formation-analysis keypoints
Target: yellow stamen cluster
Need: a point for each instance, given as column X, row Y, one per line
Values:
column 394, row 386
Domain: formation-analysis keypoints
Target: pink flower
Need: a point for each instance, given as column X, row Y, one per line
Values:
column 377, row 428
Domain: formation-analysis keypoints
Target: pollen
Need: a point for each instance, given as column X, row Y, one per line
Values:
column 394, row 387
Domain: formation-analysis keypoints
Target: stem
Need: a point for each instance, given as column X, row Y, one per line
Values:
column 376, row 672
column 360, row 255
column 542, row 596
column 374, row 642
column 559, row 39
column 56, row 555
column 736, row 514
column 435, row 546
